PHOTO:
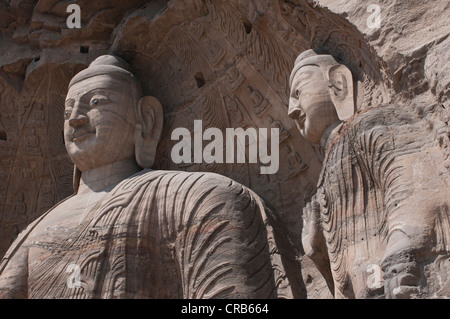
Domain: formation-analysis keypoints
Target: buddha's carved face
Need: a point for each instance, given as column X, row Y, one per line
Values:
column 310, row 104
column 99, row 122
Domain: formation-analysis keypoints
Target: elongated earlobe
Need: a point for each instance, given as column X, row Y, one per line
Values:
column 341, row 91
column 148, row 130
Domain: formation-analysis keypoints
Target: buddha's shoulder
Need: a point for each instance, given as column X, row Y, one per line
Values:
column 181, row 176
column 384, row 115
column 187, row 180
column 383, row 119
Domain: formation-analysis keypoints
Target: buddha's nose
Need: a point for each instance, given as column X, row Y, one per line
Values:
column 77, row 118
column 294, row 112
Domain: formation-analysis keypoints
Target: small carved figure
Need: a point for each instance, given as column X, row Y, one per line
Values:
column 233, row 110
column 32, row 146
column 284, row 134
column 20, row 208
column 296, row 165
column 234, row 78
column 27, row 173
column 260, row 104
column 38, row 114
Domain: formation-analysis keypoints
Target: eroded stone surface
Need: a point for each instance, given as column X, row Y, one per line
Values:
column 226, row 62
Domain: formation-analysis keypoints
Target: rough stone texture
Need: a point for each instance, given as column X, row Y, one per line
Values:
column 411, row 36
column 210, row 60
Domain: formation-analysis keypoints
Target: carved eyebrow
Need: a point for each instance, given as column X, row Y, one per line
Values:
column 89, row 94
column 70, row 102
column 100, row 88
column 303, row 80
column 310, row 64
column 305, row 74
column 110, row 92
column 303, row 84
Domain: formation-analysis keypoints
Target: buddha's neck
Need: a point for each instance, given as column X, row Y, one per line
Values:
column 331, row 130
column 100, row 178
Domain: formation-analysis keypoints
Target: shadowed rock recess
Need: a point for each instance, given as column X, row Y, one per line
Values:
column 93, row 205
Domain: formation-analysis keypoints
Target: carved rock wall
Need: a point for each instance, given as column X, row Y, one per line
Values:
column 411, row 35
column 224, row 62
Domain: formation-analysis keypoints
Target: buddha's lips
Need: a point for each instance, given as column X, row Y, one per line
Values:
column 79, row 133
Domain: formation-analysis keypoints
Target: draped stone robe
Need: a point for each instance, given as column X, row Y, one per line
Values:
column 157, row 234
column 384, row 196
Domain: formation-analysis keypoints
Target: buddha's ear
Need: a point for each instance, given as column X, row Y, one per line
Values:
column 148, row 130
column 340, row 83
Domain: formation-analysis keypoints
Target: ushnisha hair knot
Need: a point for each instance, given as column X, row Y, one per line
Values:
column 107, row 65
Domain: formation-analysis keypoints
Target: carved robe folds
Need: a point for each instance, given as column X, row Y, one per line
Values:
column 161, row 234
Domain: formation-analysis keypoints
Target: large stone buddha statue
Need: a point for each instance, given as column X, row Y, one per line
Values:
column 378, row 225
column 133, row 232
